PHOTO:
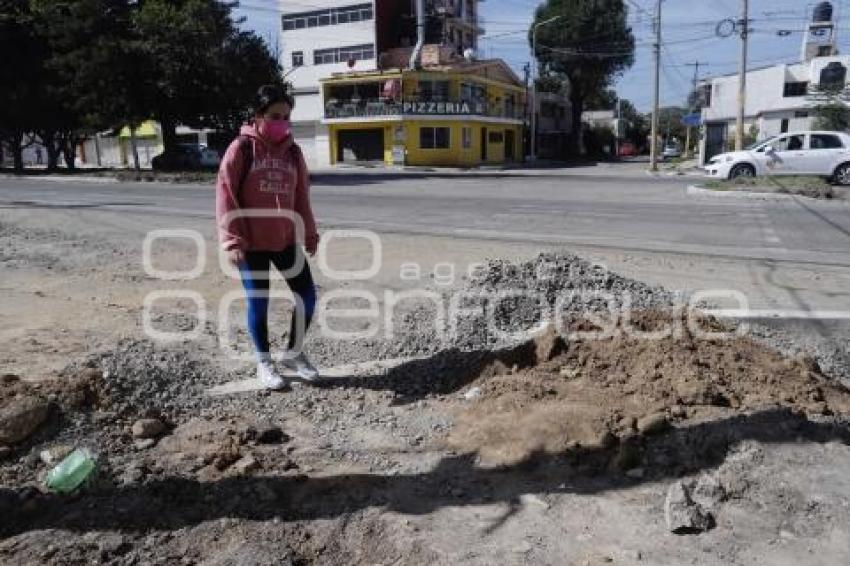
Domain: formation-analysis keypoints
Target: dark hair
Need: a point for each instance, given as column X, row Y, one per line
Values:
column 268, row 95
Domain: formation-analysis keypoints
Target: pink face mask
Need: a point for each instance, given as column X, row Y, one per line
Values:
column 275, row 130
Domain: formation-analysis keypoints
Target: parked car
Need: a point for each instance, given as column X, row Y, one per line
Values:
column 825, row 154
column 671, row 151
column 186, row 156
column 628, row 149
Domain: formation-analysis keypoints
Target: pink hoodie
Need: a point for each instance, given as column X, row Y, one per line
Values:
column 278, row 181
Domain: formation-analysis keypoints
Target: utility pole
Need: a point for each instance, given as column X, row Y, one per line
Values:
column 742, row 80
column 653, row 149
column 696, row 66
column 526, row 69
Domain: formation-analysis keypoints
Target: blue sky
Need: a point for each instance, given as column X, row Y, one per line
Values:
column 688, row 34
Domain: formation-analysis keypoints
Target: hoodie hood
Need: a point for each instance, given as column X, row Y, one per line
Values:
column 251, row 131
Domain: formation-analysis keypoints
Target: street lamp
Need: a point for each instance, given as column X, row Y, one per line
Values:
column 534, row 84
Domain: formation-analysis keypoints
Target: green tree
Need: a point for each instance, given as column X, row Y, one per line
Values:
column 95, row 64
column 832, row 116
column 637, row 124
column 591, row 44
column 602, row 100
column 670, row 125
column 200, row 69
column 22, row 77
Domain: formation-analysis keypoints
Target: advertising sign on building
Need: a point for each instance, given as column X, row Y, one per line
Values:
column 439, row 108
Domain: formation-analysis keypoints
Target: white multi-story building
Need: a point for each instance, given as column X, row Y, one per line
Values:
column 779, row 98
column 323, row 37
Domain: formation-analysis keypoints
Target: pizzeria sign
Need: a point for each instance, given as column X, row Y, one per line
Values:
column 440, row 108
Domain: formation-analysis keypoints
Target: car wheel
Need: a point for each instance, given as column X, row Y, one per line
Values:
column 742, row 170
column 842, row 174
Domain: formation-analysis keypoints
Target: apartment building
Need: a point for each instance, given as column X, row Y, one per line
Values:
column 323, row 38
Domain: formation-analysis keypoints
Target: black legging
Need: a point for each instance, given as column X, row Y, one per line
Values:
column 255, row 279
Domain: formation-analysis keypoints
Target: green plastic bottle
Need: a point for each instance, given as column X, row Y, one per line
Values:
column 72, row 472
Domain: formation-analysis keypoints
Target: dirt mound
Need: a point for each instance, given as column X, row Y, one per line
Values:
column 598, row 393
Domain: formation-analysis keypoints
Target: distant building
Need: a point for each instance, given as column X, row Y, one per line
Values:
column 323, row 38
column 780, row 98
column 600, row 118
column 448, row 111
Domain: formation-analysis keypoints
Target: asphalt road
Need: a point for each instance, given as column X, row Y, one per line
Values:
column 634, row 212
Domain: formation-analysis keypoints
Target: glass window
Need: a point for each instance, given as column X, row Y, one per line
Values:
column 342, row 18
column 825, row 141
column 325, row 20
column 436, row 91
column 300, row 23
column 795, row 89
column 297, row 58
column 288, row 24
column 789, row 143
column 313, row 21
column 441, row 138
column 434, row 138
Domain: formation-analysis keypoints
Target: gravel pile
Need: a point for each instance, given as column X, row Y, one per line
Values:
column 141, row 377
column 502, row 298
column 555, row 284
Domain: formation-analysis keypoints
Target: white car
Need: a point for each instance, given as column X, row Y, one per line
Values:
column 671, row 151
column 825, row 154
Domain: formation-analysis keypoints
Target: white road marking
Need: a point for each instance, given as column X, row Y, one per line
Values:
column 778, row 313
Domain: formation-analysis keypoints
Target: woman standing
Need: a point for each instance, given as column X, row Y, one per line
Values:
column 262, row 184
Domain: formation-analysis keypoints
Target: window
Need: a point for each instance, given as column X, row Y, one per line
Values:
column 783, row 126
column 325, row 56
column 801, row 114
column 510, row 105
column 343, row 54
column 466, row 138
column 297, row 58
column 706, row 95
column 328, row 17
column 434, row 91
column 495, row 137
column 825, row 141
column 434, row 138
column 795, row 89
column 789, row 143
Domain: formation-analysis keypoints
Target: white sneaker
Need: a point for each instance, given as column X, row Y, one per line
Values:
column 269, row 378
column 301, row 365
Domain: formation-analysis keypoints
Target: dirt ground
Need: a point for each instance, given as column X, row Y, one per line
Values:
column 550, row 452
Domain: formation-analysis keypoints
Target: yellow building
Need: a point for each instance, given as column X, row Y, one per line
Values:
column 462, row 114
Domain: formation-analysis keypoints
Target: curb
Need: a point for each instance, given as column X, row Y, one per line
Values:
column 694, row 190
column 62, row 178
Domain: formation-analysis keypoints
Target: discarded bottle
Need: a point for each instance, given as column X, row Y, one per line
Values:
column 72, row 472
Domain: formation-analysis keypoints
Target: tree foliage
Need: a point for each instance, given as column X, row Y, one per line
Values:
column 832, row 116
column 82, row 66
column 591, row 44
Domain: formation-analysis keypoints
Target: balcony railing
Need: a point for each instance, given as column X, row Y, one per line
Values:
column 367, row 108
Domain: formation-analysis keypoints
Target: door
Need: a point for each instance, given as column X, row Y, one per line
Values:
column 483, row 144
column 823, row 154
column 788, row 155
column 509, row 145
column 715, row 140
column 360, row 145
